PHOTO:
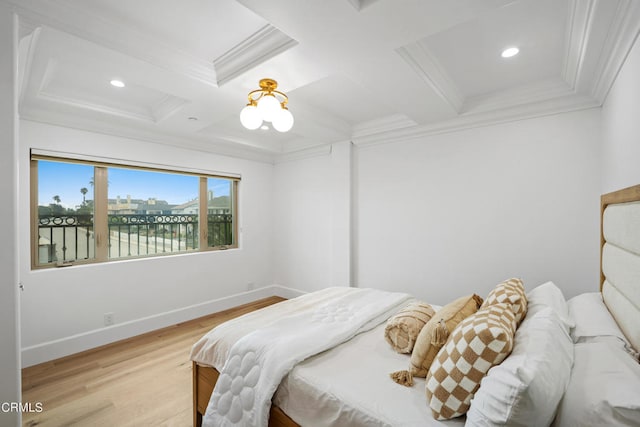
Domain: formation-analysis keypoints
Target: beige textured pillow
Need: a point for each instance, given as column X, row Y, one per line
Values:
column 478, row 343
column 402, row 329
column 433, row 336
column 512, row 292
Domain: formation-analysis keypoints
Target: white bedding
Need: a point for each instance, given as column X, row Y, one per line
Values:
column 213, row 348
column 604, row 388
column 257, row 362
column 349, row 386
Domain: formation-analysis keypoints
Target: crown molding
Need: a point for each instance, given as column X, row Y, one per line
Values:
column 166, row 107
column 534, row 92
column 429, row 69
column 596, row 75
column 385, row 124
column 355, row 4
column 267, row 145
column 360, row 4
column 321, row 124
column 26, row 61
column 305, row 153
column 624, row 32
column 64, row 17
column 86, row 105
column 579, row 26
column 26, row 26
column 205, row 144
column 487, row 118
column 261, row 46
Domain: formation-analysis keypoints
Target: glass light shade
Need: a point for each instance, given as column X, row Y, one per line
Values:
column 283, row 121
column 250, row 117
column 268, row 107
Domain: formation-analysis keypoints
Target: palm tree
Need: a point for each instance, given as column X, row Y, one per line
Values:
column 84, row 191
column 56, row 209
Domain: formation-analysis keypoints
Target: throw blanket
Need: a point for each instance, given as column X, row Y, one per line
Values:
column 258, row 361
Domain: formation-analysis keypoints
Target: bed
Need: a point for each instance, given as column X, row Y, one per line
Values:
column 593, row 377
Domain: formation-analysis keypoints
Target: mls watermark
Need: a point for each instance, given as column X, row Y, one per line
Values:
column 7, row 407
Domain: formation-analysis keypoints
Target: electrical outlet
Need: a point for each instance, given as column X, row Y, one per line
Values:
column 108, row 319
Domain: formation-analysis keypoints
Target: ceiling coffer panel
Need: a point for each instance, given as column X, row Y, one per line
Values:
column 369, row 71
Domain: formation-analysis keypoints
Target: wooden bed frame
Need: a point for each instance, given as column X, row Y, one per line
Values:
column 204, row 378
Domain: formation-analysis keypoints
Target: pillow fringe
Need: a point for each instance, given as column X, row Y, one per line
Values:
column 404, row 378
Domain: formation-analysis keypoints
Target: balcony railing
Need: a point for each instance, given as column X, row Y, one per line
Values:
column 65, row 238
column 71, row 237
column 135, row 235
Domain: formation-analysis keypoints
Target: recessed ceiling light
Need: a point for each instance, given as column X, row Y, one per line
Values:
column 509, row 52
column 117, row 83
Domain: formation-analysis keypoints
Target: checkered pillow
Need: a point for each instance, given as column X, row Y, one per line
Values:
column 479, row 342
column 512, row 292
column 427, row 346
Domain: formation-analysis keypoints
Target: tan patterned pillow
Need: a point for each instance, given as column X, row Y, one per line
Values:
column 512, row 292
column 402, row 329
column 479, row 342
column 434, row 335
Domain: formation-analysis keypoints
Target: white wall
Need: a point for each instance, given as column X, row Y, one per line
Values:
column 455, row 213
column 313, row 220
column 9, row 306
column 59, row 304
column 303, row 223
column 449, row 214
column 621, row 127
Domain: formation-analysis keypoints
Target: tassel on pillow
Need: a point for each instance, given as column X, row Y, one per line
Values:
column 403, row 378
column 440, row 334
column 434, row 335
column 438, row 338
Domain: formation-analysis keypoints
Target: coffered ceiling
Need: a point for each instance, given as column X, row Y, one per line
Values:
column 368, row 71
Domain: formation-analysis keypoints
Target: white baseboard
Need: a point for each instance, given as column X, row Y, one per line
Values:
column 51, row 350
column 284, row 292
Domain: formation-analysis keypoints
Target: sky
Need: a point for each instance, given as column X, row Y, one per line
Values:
column 66, row 180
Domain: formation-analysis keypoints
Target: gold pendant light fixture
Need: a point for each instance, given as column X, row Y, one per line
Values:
column 267, row 105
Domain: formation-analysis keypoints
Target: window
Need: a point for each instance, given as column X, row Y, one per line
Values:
column 151, row 213
column 219, row 213
column 65, row 232
column 85, row 212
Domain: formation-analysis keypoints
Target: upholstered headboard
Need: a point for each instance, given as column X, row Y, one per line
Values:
column 620, row 259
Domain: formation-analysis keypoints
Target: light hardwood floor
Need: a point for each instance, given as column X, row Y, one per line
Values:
column 141, row 381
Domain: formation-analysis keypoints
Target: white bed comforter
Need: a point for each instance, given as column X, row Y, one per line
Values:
column 258, row 361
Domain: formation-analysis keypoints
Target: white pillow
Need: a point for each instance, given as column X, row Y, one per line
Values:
column 592, row 318
column 525, row 389
column 604, row 388
column 549, row 295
